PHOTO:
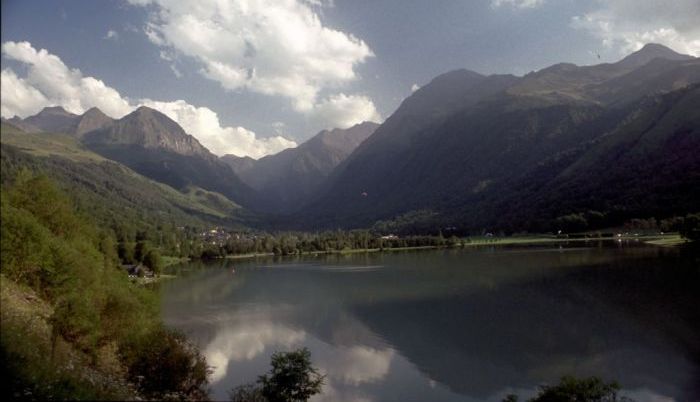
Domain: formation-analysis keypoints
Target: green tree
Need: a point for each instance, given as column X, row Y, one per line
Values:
column 141, row 249
column 291, row 379
column 691, row 227
column 125, row 250
column 572, row 223
column 570, row 389
column 153, row 261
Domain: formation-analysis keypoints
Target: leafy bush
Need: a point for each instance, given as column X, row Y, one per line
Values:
column 153, row 261
column 291, row 379
column 691, row 227
column 164, row 364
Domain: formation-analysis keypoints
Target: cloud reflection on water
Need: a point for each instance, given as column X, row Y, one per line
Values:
column 345, row 367
column 245, row 342
column 357, row 365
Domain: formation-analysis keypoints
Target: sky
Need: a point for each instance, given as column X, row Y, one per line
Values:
column 252, row 77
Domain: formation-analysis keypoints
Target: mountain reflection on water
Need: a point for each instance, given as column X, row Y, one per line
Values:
column 449, row 325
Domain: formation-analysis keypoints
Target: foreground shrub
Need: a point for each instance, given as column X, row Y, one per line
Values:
column 291, row 379
column 165, row 365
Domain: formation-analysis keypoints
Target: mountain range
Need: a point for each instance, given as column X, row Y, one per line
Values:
column 148, row 142
column 566, row 147
column 476, row 152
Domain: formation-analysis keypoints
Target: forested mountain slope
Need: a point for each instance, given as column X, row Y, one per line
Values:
column 510, row 153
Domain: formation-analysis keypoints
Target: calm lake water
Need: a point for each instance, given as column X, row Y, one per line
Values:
column 452, row 325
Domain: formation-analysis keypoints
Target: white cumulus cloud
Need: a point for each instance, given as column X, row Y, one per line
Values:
column 19, row 97
column 49, row 82
column 225, row 140
column 58, row 84
column 343, row 111
column 357, row 364
column 626, row 25
column 271, row 47
column 245, row 342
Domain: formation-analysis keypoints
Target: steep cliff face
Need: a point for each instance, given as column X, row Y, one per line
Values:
column 91, row 120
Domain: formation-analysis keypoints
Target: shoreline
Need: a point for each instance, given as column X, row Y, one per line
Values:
column 664, row 240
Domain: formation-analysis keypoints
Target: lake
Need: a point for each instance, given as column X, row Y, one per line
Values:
column 452, row 325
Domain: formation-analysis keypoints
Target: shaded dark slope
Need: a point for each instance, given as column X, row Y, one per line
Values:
column 489, row 153
column 285, row 181
column 468, row 155
column 239, row 164
column 376, row 165
column 647, row 166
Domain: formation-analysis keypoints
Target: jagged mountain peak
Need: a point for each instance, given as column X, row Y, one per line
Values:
column 459, row 74
column 55, row 110
column 354, row 134
column 93, row 119
column 146, row 113
column 94, row 111
column 649, row 52
column 53, row 119
column 153, row 122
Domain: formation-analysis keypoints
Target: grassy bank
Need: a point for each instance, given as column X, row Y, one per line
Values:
column 168, row 260
column 667, row 240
